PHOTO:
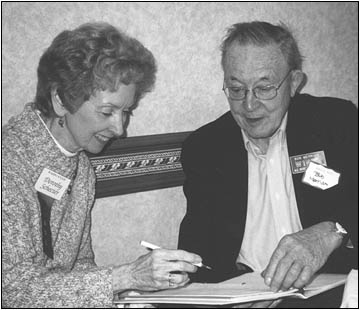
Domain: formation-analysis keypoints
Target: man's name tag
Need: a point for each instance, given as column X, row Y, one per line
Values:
column 299, row 163
column 321, row 177
column 52, row 184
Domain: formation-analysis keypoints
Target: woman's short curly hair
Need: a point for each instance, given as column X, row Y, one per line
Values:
column 94, row 56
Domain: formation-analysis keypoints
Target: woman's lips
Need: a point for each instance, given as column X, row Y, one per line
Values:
column 102, row 138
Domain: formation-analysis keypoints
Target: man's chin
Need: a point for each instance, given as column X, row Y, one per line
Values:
column 257, row 134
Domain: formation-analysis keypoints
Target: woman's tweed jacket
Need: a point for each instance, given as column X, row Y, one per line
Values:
column 29, row 278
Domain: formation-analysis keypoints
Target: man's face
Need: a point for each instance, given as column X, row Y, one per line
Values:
column 253, row 66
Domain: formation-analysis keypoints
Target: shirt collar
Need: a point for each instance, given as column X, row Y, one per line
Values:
column 278, row 137
column 61, row 148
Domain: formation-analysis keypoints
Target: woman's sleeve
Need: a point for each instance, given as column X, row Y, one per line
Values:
column 25, row 282
column 86, row 255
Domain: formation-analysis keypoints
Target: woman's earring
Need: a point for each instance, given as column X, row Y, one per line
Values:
column 61, row 122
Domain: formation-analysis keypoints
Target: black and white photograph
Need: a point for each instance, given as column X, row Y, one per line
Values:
column 180, row 155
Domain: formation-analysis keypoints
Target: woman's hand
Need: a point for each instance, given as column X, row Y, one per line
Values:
column 159, row 269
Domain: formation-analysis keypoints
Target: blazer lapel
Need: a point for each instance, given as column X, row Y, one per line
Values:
column 233, row 157
column 232, row 168
column 302, row 137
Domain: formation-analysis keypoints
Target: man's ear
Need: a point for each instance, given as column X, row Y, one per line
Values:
column 297, row 77
column 57, row 103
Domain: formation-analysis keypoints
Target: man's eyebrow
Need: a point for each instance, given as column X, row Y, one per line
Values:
column 233, row 78
column 264, row 78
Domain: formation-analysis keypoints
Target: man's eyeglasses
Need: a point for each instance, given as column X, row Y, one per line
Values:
column 260, row 92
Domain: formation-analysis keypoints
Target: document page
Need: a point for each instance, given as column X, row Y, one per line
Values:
column 324, row 282
column 245, row 288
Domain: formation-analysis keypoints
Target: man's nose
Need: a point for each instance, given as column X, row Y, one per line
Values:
column 117, row 126
column 251, row 103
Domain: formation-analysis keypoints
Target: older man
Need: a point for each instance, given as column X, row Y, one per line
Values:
column 262, row 181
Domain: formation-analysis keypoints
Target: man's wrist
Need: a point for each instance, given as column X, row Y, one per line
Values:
column 339, row 232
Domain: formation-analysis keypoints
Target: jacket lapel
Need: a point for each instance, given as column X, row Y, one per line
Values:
column 233, row 158
column 302, row 137
column 232, row 168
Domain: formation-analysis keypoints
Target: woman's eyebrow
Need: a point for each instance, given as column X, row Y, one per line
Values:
column 110, row 104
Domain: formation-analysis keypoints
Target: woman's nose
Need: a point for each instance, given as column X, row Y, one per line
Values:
column 117, row 126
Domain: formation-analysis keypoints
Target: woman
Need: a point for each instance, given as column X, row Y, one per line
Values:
column 89, row 81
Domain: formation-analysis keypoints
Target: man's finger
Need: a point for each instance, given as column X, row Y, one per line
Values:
column 280, row 273
column 246, row 305
column 304, row 277
column 270, row 270
column 262, row 304
column 275, row 303
column 292, row 275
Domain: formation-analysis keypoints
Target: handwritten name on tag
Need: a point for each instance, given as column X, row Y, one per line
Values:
column 299, row 163
column 320, row 176
column 52, row 184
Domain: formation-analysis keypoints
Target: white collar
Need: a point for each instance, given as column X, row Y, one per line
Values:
column 61, row 148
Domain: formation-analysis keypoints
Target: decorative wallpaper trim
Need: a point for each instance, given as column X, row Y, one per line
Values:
column 138, row 164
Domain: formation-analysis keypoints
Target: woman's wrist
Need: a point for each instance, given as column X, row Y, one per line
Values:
column 122, row 279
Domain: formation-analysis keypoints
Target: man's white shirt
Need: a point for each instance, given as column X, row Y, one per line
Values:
column 271, row 208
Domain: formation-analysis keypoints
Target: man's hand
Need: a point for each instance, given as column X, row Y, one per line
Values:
column 298, row 256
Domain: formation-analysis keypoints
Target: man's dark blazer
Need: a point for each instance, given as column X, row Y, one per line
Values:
column 214, row 160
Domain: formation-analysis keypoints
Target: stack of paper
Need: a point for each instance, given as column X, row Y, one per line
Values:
column 245, row 288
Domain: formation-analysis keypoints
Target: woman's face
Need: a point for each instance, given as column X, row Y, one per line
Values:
column 98, row 120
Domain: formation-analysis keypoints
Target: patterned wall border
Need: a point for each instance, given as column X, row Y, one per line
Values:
column 138, row 164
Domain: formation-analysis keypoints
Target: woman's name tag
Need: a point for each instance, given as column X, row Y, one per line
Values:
column 52, row 184
column 320, row 176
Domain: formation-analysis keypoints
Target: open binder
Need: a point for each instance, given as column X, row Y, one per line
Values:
column 245, row 288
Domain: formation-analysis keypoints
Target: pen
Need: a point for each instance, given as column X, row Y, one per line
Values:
column 154, row 247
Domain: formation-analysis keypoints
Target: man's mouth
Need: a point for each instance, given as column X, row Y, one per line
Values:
column 253, row 120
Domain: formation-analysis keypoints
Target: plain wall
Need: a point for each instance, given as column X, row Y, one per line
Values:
column 185, row 39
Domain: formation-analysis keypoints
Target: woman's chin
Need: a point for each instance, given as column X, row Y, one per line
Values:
column 96, row 148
